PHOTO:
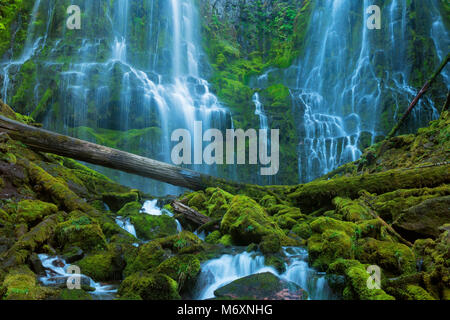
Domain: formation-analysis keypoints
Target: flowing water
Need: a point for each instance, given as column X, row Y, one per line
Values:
column 219, row 272
column 57, row 275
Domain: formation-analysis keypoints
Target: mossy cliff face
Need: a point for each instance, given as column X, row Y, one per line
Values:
column 242, row 40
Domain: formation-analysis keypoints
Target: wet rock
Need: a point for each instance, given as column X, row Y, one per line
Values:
column 262, row 286
column 424, row 219
column 36, row 265
column 73, row 254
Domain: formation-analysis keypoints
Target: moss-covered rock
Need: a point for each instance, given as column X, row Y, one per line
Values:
column 98, row 266
column 270, row 244
column 80, row 231
column 357, row 278
column 183, row 242
column 213, row 237
column 325, row 248
column 116, row 201
column 303, row 230
column 247, row 222
column 21, row 284
column 149, row 286
column 183, row 268
column 262, row 286
column 395, row 258
column 33, row 211
column 323, row 224
column 149, row 256
column 424, row 219
column 351, row 210
column 150, row 227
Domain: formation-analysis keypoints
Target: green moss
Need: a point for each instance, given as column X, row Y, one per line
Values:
column 149, row 287
column 182, row 242
column 270, row 244
column 149, row 256
column 20, row 284
column 226, row 240
column 303, row 230
column 97, row 266
column 213, row 237
column 323, row 224
column 74, row 295
column 327, row 247
column 351, row 210
column 247, row 222
column 150, row 227
column 82, row 232
column 182, row 268
column 116, row 201
column 33, row 211
column 395, row 258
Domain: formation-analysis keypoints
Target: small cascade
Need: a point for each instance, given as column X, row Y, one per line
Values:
column 259, row 111
column 219, row 272
column 56, row 275
column 151, row 208
column 126, row 225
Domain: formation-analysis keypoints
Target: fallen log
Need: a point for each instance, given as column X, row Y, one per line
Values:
column 190, row 213
column 424, row 89
column 318, row 194
column 47, row 141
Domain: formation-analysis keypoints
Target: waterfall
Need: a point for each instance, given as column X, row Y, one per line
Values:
column 345, row 99
column 259, row 111
column 114, row 74
column 219, row 272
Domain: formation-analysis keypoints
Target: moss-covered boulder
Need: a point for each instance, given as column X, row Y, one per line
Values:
column 99, row 267
column 21, row 284
column 323, row 224
column 116, row 201
column 213, row 237
column 183, row 268
column 150, row 227
column 247, row 222
column 392, row 257
column 270, row 244
column 262, row 286
column 303, row 230
column 81, row 231
column 357, row 278
column 327, row 247
column 184, row 242
column 424, row 219
column 149, row 256
column 33, row 211
column 130, row 209
column 149, row 286
column 351, row 210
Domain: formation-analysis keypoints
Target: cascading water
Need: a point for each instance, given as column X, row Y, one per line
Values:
column 219, row 272
column 108, row 77
column 342, row 97
column 58, row 275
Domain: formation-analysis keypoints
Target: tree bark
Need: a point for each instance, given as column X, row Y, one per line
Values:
column 417, row 98
column 190, row 213
column 47, row 141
